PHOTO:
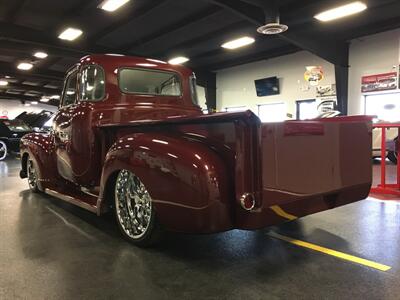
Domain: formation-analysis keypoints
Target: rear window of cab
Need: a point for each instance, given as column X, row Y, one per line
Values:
column 149, row 82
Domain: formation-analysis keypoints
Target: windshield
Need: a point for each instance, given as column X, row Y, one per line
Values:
column 16, row 125
column 149, row 82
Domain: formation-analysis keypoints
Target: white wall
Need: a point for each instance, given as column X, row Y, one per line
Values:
column 370, row 55
column 235, row 86
column 15, row 107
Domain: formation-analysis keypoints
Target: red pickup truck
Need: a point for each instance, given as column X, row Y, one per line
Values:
column 129, row 137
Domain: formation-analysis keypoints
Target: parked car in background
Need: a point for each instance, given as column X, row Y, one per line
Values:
column 38, row 121
column 11, row 132
column 391, row 145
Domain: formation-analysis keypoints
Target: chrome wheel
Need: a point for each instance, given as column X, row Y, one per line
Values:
column 3, row 150
column 32, row 175
column 133, row 205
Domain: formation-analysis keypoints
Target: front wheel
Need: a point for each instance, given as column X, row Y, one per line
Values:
column 32, row 175
column 3, row 150
column 134, row 210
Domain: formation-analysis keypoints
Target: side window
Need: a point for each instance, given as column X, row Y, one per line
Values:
column 92, row 86
column 70, row 90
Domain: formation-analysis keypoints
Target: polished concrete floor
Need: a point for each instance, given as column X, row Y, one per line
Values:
column 52, row 250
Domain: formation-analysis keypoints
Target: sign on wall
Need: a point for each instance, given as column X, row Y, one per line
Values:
column 379, row 82
column 313, row 75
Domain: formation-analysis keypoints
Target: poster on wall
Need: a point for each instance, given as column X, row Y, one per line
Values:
column 379, row 82
column 326, row 98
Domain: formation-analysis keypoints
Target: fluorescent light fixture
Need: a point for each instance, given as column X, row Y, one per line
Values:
column 40, row 55
column 341, row 11
column 55, row 97
column 34, row 102
column 178, row 60
column 44, row 99
column 112, row 5
column 3, row 82
column 240, row 42
column 27, row 104
column 70, row 34
column 24, row 66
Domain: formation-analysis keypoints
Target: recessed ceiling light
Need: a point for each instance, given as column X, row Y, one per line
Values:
column 44, row 99
column 178, row 60
column 237, row 43
column 40, row 55
column 3, row 82
column 70, row 34
column 24, row 66
column 341, row 11
column 34, row 102
column 112, row 5
column 55, row 97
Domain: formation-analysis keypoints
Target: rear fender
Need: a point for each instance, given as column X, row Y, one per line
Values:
column 187, row 180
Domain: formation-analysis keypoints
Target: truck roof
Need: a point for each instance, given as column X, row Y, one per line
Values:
column 115, row 61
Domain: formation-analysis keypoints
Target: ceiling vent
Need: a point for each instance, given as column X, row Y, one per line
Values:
column 272, row 28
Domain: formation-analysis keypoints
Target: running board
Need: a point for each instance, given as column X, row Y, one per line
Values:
column 71, row 200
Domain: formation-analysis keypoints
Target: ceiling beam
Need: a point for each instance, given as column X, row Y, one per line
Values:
column 187, row 21
column 25, row 49
column 25, row 87
column 37, row 38
column 24, row 99
column 264, row 55
column 34, row 74
column 15, row 9
column 372, row 28
column 134, row 14
column 4, row 95
column 332, row 51
column 181, row 47
column 71, row 15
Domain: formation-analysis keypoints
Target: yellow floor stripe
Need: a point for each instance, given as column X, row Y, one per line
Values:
column 280, row 212
column 331, row 252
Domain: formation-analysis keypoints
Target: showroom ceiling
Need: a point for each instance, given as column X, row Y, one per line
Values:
column 164, row 29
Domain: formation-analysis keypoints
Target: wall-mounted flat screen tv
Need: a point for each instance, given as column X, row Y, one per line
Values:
column 267, row 86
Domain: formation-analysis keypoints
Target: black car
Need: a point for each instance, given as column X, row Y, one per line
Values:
column 11, row 132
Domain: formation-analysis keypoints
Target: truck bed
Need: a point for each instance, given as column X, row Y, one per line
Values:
column 292, row 168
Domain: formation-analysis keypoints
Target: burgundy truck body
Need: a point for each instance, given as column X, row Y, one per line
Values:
column 204, row 173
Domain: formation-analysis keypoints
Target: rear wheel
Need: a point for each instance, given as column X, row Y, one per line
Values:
column 32, row 175
column 134, row 210
column 3, row 150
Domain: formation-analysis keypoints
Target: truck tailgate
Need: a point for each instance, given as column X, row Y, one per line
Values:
column 308, row 158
